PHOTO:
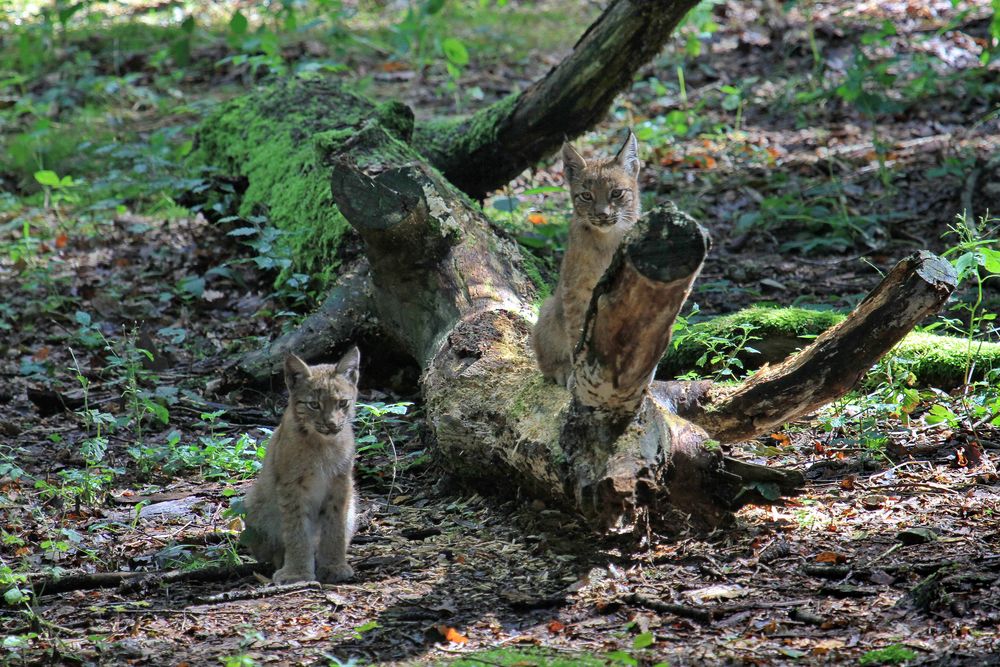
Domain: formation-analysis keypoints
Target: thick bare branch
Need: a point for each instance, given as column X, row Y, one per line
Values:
column 483, row 152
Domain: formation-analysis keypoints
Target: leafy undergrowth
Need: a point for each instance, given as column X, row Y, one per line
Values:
column 818, row 144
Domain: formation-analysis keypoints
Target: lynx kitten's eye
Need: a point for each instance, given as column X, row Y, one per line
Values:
column 313, row 405
column 342, row 403
column 617, row 193
column 585, row 196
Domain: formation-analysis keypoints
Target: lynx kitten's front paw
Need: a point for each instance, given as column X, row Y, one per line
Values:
column 330, row 574
column 286, row 576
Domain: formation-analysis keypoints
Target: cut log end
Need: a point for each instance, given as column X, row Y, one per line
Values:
column 633, row 310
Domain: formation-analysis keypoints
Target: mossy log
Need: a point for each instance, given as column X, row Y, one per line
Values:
column 828, row 368
column 272, row 140
column 934, row 360
column 448, row 288
column 485, row 151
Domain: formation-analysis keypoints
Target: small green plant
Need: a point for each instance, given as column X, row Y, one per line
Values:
column 641, row 641
column 375, row 424
column 14, row 587
column 125, row 363
column 976, row 258
column 721, row 356
column 894, row 654
column 57, row 189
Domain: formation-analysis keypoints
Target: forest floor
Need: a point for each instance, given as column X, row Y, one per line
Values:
column 122, row 449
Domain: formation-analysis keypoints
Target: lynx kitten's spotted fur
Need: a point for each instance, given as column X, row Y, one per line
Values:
column 605, row 196
column 300, row 511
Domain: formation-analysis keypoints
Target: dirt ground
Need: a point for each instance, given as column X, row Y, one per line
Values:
column 899, row 549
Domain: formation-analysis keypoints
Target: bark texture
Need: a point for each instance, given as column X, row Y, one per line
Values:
column 486, row 150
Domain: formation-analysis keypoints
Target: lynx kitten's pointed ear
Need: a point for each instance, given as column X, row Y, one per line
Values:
column 296, row 371
column 573, row 162
column 628, row 155
column 348, row 364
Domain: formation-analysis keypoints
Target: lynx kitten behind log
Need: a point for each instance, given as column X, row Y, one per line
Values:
column 300, row 511
column 605, row 196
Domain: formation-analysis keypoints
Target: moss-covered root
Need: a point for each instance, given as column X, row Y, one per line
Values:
column 935, row 360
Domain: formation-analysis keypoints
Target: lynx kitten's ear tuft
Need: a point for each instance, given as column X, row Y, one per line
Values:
column 348, row 364
column 573, row 162
column 296, row 371
column 628, row 155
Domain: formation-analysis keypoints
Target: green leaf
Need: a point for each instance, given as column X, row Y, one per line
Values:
column 940, row 414
column 14, row 596
column 643, row 640
column 965, row 264
column 543, row 189
column 991, row 260
column 238, row 24
column 159, row 411
column 455, row 51
column 769, row 490
column 47, row 177
column 505, row 204
column 83, row 318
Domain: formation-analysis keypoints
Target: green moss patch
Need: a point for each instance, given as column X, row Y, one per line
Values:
column 279, row 138
column 937, row 361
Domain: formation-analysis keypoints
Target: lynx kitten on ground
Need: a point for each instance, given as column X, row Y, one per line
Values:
column 605, row 196
column 300, row 511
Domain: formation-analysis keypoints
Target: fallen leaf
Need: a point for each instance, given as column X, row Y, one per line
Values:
column 555, row 627
column 847, row 483
column 41, row 354
column 825, row 646
column 873, row 501
column 394, row 66
column 917, row 535
column 781, row 439
column 960, row 459
column 719, row 592
column 536, row 219
column 830, row 557
column 452, row 635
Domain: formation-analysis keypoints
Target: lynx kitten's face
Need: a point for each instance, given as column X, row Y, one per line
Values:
column 322, row 396
column 605, row 193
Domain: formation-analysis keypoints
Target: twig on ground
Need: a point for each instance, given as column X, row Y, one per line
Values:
column 259, row 592
column 45, row 584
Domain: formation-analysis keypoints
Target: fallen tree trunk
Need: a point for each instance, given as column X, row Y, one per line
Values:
column 485, row 151
column 451, row 292
column 827, row 369
column 448, row 288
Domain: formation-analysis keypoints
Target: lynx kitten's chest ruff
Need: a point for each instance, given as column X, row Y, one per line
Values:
column 300, row 511
column 605, row 195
